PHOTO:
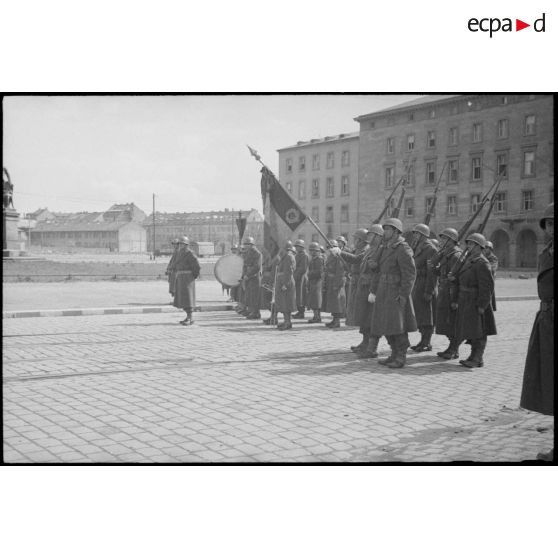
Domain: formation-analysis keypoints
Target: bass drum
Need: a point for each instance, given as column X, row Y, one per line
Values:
column 228, row 270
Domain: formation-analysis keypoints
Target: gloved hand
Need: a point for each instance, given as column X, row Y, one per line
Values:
column 335, row 250
column 427, row 297
column 480, row 311
column 453, row 305
column 372, row 298
column 401, row 301
column 284, row 288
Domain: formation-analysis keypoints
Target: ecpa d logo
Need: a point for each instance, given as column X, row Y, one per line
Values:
column 492, row 25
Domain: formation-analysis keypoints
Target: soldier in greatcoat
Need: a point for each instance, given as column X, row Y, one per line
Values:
column 538, row 377
column 285, row 295
column 425, row 287
column 445, row 260
column 342, row 244
column 241, row 306
column 493, row 263
column 300, row 277
column 315, row 280
column 472, row 297
column 252, row 277
column 393, row 314
column 171, row 275
column 187, row 270
column 234, row 290
column 335, row 274
column 353, row 261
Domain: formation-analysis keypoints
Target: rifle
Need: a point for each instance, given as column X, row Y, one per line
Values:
column 437, row 258
column 383, row 212
column 397, row 209
column 458, row 266
column 432, row 206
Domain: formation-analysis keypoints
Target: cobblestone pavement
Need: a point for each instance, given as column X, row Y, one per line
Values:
column 141, row 388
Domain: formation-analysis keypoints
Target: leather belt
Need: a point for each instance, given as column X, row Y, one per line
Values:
column 389, row 277
column 469, row 289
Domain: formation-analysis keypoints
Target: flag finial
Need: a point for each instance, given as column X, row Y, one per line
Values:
column 254, row 154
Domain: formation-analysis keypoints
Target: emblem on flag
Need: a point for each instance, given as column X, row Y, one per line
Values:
column 292, row 216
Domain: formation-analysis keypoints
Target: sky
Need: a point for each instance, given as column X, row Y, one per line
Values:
column 84, row 153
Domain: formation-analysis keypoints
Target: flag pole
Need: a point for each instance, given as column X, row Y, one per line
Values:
column 256, row 156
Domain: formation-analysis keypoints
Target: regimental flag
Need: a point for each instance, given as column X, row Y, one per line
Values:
column 282, row 215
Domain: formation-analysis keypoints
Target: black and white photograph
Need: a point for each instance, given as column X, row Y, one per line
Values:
column 278, row 278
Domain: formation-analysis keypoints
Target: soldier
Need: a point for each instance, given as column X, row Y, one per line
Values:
column 315, row 279
column 187, row 270
column 538, row 377
column 300, row 276
column 493, row 263
column 471, row 298
column 424, row 289
column 285, row 295
column 268, row 286
column 234, row 290
column 363, row 307
column 171, row 275
column 252, row 277
column 390, row 292
column 445, row 314
column 353, row 261
column 241, row 306
column 335, row 276
column 342, row 243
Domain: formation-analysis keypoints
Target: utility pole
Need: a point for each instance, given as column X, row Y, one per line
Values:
column 153, row 226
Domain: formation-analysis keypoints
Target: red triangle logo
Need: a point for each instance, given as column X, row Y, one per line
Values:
column 519, row 25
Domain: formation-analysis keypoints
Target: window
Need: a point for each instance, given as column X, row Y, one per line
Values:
column 344, row 214
column 428, row 204
column 330, row 160
column 432, row 113
column 302, row 163
column 411, row 116
column 329, row 187
column 315, row 237
column 316, row 162
column 316, row 188
column 430, row 172
column 500, row 204
column 477, row 132
column 329, row 214
column 316, row 214
column 289, row 164
column 504, row 100
column 527, row 200
column 530, row 125
column 345, row 185
column 409, row 207
column 302, row 189
column 475, row 201
column 502, row 165
column 390, row 145
column 430, row 139
column 390, row 174
column 411, row 142
column 503, row 128
column 452, row 205
column 476, row 168
column 391, row 207
column 453, row 136
column 529, row 163
column 453, row 171
column 290, row 187
column 372, row 125
column 409, row 174
column 345, row 158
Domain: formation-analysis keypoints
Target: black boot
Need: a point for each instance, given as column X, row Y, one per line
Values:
column 419, row 344
column 362, row 345
column 287, row 324
column 401, row 345
column 392, row 344
column 425, row 337
column 444, row 353
column 371, row 350
column 300, row 314
column 315, row 318
column 334, row 324
column 477, row 351
column 188, row 320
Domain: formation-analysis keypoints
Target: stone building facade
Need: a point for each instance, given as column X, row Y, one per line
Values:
column 472, row 139
column 322, row 176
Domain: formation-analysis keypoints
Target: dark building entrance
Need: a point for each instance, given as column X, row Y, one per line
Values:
column 501, row 241
column 526, row 248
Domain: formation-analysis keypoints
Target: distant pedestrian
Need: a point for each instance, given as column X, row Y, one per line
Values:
column 171, row 274
column 187, row 270
column 493, row 263
column 538, row 377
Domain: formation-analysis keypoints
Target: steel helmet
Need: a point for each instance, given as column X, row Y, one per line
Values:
column 422, row 229
column 477, row 238
column 314, row 247
column 289, row 246
column 234, row 247
column 450, row 233
column 341, row 239
column 184, row 240
column 376, row 229
column 395, row 223
column 435, row 241
column 548, row 214
column 299, row 242
column 361, row 234
column 333, row 244
column 249, row 240
column 174, row 241
column 489, row 245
